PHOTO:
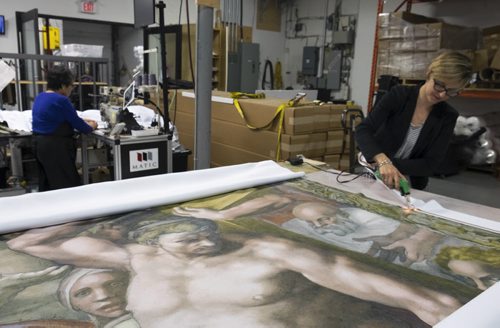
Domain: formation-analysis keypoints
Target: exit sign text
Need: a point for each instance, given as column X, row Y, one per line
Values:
column 87, row 7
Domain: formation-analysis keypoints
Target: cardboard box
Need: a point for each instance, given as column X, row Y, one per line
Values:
column 337, row 142
column 338, row 162
column 223, row 155
column 305, row 129
column 428, row 37
column 454, row 36
column 402, row 18
column 403, row 25
column 491, row 30
column 491, row 43
column 406, row 65
column 335, row 117
column 495, row 62
column 480, row 60
column 409, row 31
column 259, row 112
column 424, row 44
column 263, row 143
column 311, row 145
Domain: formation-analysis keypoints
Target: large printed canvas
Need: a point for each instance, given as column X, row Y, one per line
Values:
column 294, row 254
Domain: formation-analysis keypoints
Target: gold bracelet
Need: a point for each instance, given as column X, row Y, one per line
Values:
column 385, row 162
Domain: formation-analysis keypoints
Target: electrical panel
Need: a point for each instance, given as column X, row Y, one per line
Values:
column 343, row 37
column 334, row 60
column 310, row 59
column 243, row 68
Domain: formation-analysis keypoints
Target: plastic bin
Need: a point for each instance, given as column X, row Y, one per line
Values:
column 81, row 50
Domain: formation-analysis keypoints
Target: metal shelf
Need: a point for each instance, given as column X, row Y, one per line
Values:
column 29, row 73
column 45, row 82
column 477, row 93
column 481, row 93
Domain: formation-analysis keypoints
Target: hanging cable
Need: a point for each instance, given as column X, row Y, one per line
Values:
column 270, row 65
column 180, row 12
column 241, row 20
column 189, row 42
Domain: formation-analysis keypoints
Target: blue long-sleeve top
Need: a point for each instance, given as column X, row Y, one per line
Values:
column 51, row 109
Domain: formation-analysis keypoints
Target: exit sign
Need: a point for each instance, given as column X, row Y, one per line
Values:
column 87, row 6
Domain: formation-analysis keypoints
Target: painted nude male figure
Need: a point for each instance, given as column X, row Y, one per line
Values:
column 182, row 273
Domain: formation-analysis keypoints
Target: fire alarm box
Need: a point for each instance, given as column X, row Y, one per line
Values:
column 53, row 38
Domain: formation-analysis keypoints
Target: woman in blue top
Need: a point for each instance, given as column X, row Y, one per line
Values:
column 54, row 123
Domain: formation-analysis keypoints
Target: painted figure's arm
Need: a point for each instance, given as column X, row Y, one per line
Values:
column 357, row 279
column 251, row 206
column 418, row 246
column 62, row 245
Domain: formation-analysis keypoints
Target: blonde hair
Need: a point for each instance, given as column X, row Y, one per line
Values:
column 451, row 66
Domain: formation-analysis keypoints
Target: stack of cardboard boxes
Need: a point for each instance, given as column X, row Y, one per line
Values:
column 408, row 43
column 490, row 54
column 314, row 131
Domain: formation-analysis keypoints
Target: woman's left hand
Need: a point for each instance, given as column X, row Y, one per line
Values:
column 390, row 175
column 92, row 123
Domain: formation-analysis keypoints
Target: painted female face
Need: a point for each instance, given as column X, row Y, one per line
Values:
column 100, row 294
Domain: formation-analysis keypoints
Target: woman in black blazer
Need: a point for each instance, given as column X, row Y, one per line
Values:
column 409, row 129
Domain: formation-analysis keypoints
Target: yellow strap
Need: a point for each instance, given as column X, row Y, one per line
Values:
column 238, row 95
column 278, row 113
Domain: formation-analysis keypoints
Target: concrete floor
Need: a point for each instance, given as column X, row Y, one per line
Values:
column 472, row 186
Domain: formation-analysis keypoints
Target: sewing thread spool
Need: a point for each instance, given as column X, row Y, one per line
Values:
column 145, row 79
column 138, row 80
column 152, row 79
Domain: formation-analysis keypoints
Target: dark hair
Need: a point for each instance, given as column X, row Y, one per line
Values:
column 59, row 76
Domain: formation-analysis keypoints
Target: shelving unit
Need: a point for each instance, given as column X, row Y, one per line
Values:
column 474, row 92
column 218, row 57
column 84, row 68
column 477, row 93
column 493, row 94
column 219, row 53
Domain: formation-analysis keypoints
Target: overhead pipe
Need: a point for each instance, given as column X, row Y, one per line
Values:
column 321, row 59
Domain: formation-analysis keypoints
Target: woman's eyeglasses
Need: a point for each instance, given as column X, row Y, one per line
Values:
column 440, row 87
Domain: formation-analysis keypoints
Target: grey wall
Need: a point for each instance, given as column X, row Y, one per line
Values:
column 120, row 11
column 274, row 45
column 363, row 52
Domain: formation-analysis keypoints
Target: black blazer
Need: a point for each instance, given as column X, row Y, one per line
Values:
column 385, row 127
